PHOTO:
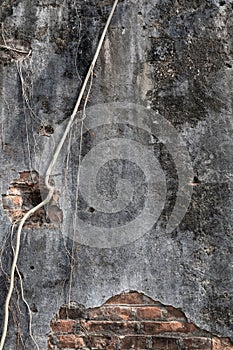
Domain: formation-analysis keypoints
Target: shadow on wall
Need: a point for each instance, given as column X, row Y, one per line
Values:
column 129, row 321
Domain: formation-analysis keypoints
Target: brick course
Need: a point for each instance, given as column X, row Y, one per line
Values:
column 129, row 321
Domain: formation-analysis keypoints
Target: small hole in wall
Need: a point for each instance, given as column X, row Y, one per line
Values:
column 34, row 308
column 222, row 3
column 228, row 65
column 32, row 267
column 46, row 130
column 196, row 180
column 91, row 210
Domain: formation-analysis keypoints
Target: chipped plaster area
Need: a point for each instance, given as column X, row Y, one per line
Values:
column 24, row 193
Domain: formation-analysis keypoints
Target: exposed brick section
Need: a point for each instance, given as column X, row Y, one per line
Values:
column 63, row 326
column 139, row 342
column 135, row 298
column 26, row 192
column 117, row 313
column 70, row 341
column 173, row 314
column 149, row 313
column 197, row 343
column 222, row 344
column 102, row 342
column 129, row 321
column 73, row 312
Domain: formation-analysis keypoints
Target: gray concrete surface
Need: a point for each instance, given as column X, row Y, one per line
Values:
column 173, row 58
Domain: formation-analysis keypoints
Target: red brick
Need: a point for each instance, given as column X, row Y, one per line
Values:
column 70, row 341
column 221, row 344
column 143, row 343
column 98, row 342
column 149, row 312
column 166, row 327
column 115, row 313
column 133, row 341
column 165, row 344
column 14, row 191
column 198, row 343
column 134, row 327
column 12, row 201
column 108, row 327
column 16, row 214
column 131, row 298
column 63, row 326
column 191, row 328
column 74, row 312
column 27, row 176
column 173, row 314
column 7, row 202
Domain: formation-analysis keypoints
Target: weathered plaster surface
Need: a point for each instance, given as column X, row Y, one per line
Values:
column 174, row 57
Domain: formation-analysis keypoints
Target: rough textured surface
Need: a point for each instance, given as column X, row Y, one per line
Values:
column 25, row 193
column 174, row 57
column 129, row 321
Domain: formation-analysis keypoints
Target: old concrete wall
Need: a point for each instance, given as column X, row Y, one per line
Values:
column 165, row 71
